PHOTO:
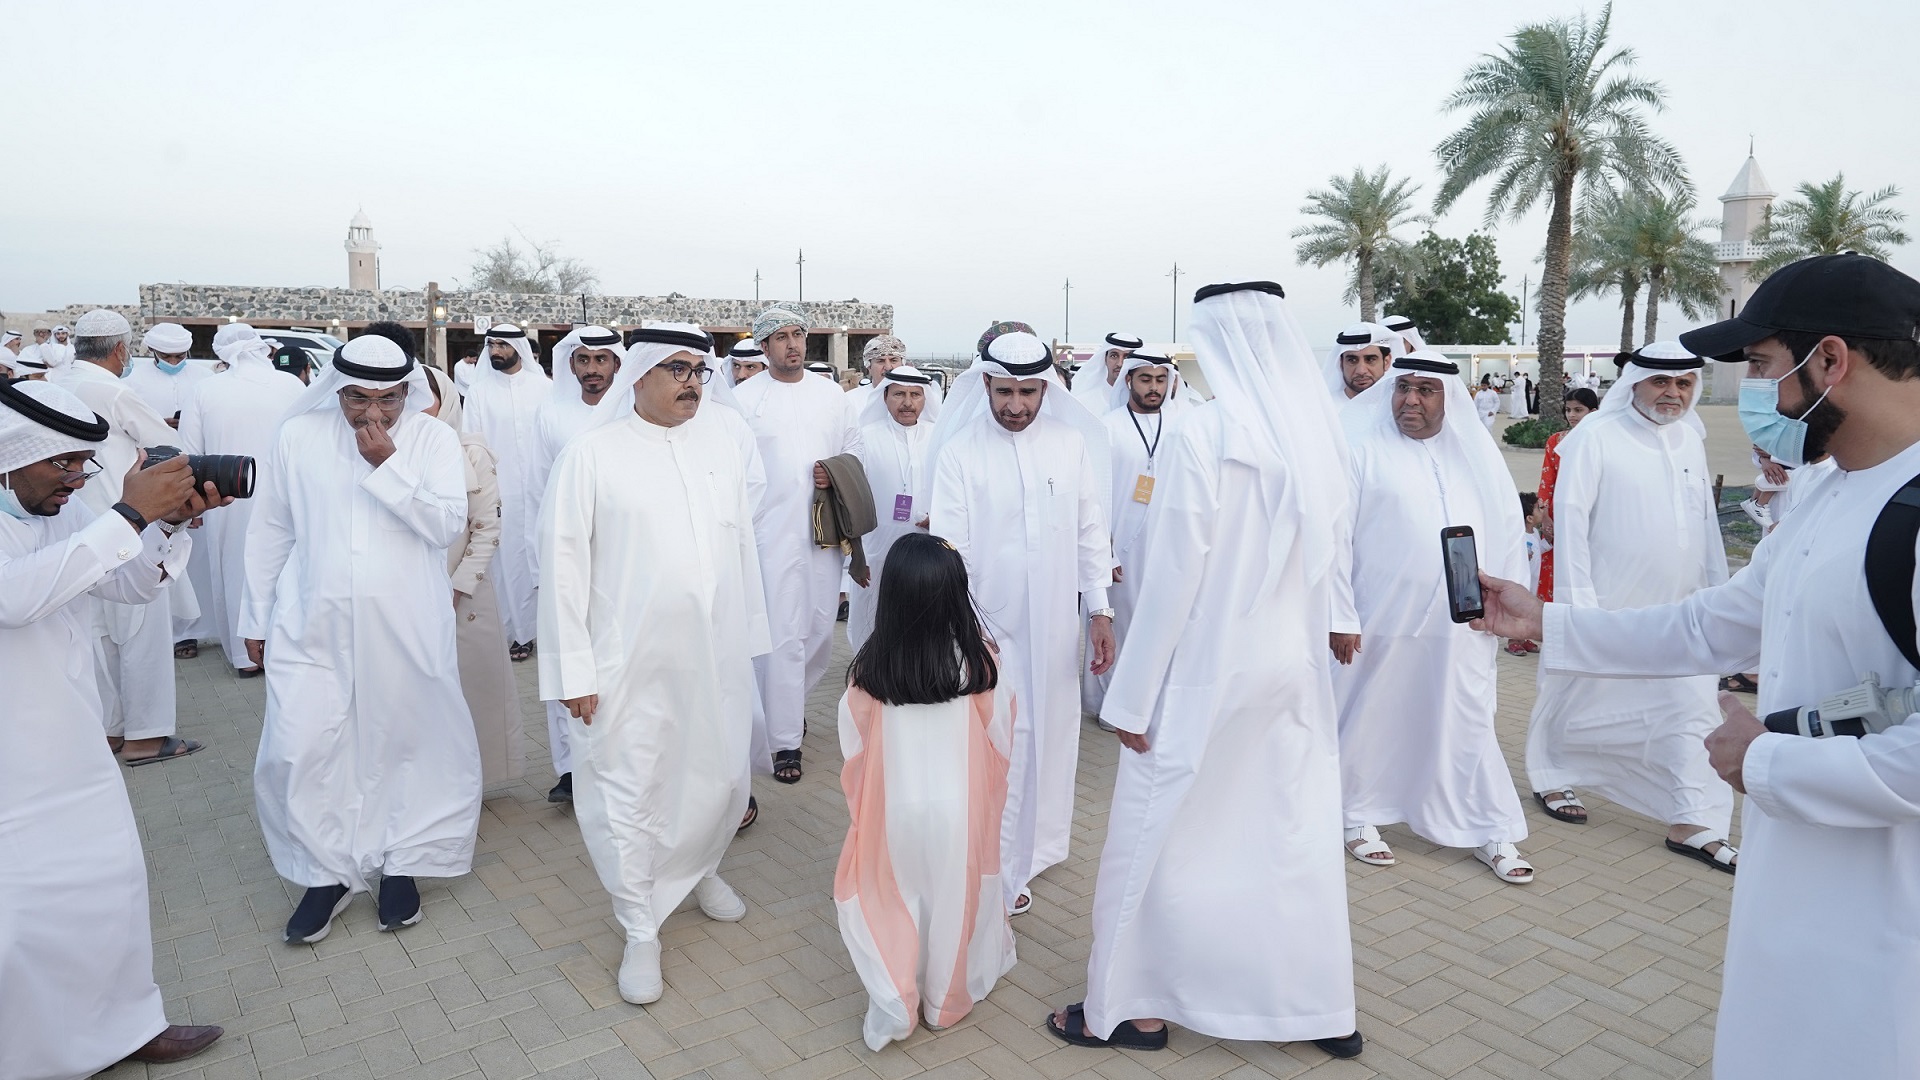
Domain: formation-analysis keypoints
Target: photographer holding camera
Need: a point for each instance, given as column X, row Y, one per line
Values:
column 1822, row 950
column 77, row 991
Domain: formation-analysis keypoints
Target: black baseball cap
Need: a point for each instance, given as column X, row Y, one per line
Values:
column 1849, row 295
column 291, row 359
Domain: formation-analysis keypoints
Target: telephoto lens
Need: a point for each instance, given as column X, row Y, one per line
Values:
column 230, row 474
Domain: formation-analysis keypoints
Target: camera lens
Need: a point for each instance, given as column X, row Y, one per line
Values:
column 230, row 474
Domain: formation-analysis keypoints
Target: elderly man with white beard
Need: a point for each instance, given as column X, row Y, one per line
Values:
column 368, row 760
column 800, row 420
column 1635, row 526
column 133, row 643
column 653, row 656
column 897, row 425
column 77, row 993
column 503, row 407
column 1020, row 482
column 1416, row 690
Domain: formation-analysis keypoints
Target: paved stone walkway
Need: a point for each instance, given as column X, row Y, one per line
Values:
column 1607, row 966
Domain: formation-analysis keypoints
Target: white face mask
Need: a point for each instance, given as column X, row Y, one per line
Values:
column 10, row 503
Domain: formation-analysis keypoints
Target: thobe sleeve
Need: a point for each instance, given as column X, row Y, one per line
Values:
column 759, row 639
column 948, row 517
column 425, row 485
column 483, row 520
column 142, row 422
column 567, row 669
column 105, row 550
column 269, row 543
column 1344, row 615
column 1866, row 783
column 192, row 432
column 851, row 440
column 1095, row 542
column 1576, row 487
column 1180, row 535
column 1711, row 632
column 754, row 467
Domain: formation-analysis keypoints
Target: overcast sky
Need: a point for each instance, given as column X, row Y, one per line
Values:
column 958, row 160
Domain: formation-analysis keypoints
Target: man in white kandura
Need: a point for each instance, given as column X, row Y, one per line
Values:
column 132, row 643
column 653, row 656
column 236, row 411
column 368, row 761
column 800, row 420
column 1221, row 903
column 1416, row 690
column 76, row 942
column 167, row 377
column 881, row 355
column 1358, row 359
column 896, row 428
column 503, row 407
column 1408, row 335
column 1635, row 526
column 1020, row 482
column 1486, row 402
column 1819, row 976
column 1138, row 419
column 1093, row 383
column 742, row 362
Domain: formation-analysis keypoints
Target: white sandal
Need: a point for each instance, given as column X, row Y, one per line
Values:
column 1022, row 903
column 1503, row 859
column 1695, row 847
column 1368, row 845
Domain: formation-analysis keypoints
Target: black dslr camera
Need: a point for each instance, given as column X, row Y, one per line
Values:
column 230, row 474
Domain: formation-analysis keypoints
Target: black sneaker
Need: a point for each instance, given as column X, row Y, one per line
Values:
column 562, row 791
column 399, row 902
column 314, row 917
column 1348, row 1046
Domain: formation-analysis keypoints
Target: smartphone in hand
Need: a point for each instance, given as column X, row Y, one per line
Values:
column 1462, row 560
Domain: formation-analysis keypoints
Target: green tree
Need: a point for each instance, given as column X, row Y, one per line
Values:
column 1828, row 219
column 1456, row 299
column 1680, row 266
column 1552, row 109
column 1605, row 259
column 1357, row 218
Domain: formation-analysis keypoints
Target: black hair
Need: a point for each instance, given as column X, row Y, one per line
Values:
column 1585, row 397
column 1621, row 360
column 927, row 645
column 1896, row 358
column 1528, row 500
column 395, row 333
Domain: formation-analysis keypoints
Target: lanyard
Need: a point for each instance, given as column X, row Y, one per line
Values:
column 1159, row 426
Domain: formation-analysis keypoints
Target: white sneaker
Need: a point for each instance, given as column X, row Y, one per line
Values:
column 1761, row 515
column 718, row 900
column 640, row 981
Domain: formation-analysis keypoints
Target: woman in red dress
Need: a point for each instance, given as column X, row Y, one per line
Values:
column 1579, row 403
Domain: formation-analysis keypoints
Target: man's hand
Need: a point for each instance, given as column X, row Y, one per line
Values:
column 865, row 579
column 256, row 652
column 1100, row 637
column 1116, row 575
column 582, row 708
column 198, row 503
column 1512, row 611
column 1727, row 745
column 1344, row 646
column 820, row 476
column 1546, row 527
column 1135, row 743
column 159, row 491
column 374, row 442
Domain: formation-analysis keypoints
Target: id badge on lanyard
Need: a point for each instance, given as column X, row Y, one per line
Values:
column 1143, row 483
column 903, row 508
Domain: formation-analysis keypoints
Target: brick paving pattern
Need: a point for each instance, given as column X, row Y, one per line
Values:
column 1607, row 966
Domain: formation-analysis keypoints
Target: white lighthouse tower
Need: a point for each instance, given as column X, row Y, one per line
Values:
column 363, row 254
column 1743, row 210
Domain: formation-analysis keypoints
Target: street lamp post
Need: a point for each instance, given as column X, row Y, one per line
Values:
column 801, row 262
column 1067, row 331
column 1524, row 282
column 1175, row 275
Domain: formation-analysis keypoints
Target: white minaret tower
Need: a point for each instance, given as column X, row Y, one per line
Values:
column 1743, row 209
column 363, row 254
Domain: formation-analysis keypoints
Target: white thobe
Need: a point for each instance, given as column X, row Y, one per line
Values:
column 554, row 427
column 76, row 946
column 1822, row 975
column 1416, row 705
column 368, row 761
column 1221, row 903
column 133, row 643
column 1487, row 404
column 796, row 425
column 1024, row 510
column 1517, row 400
column 650, row 598
column 505, row 410
column 168, row 394
column 1133, row 450
column 1634, row 526
column 236, row 411
column 1090, row 385
column 895, row 459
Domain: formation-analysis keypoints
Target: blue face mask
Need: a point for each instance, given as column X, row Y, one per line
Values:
column 171, row 369
column 1782, row 437
column 10, row 503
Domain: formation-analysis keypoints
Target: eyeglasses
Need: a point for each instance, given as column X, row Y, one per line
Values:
column 87, row 470
column 1407, row 389
column 682, row 371
column 353, row 399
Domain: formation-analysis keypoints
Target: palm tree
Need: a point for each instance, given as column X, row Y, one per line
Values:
column 1359, row 214
column 1827, row 219
column 1604, row 257
column 1680, row 266
column 1552, row 109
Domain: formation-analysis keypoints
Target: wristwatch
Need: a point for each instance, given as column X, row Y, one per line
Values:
column 1097, row 612
column 133, row 516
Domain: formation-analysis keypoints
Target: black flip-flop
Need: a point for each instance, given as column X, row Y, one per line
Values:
column 753, row 814
column 1560, row 814
column 170, row 749
column 250, row 672
column 1739, row 684
column 784, row 759
column 186, row 650
column 1125, row 1036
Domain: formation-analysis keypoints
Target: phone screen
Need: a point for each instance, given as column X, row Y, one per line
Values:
column 1463, row 575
